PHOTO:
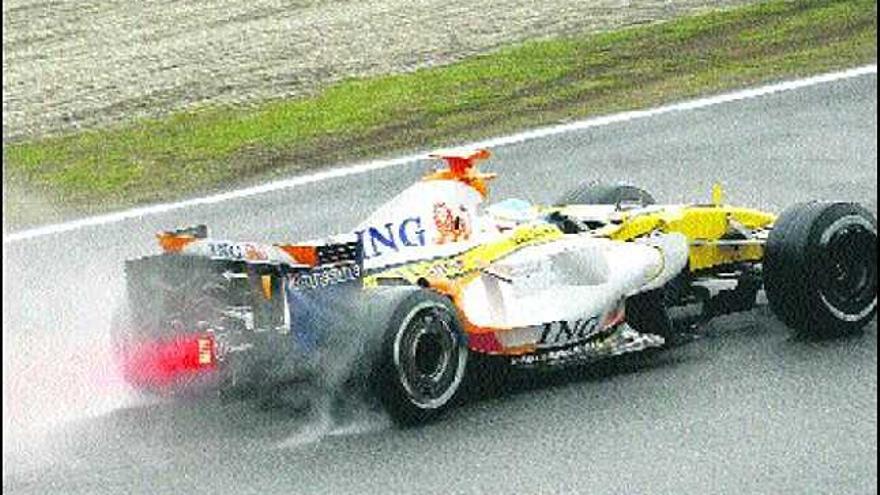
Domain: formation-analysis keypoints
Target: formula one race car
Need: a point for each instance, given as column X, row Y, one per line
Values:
column 432, row 282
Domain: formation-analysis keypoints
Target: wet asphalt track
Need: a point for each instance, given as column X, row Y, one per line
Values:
column 745, row 408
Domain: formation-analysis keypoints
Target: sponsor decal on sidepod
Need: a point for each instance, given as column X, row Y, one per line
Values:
column 565, row 332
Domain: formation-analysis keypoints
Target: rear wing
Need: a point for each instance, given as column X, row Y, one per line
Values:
column 194, row 240
column 269, row 286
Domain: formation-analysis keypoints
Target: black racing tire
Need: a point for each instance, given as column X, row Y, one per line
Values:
column 423, row 358
column 606, row 194
column 820, row 268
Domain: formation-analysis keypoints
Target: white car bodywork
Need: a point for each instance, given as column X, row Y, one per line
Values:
column 577, row 278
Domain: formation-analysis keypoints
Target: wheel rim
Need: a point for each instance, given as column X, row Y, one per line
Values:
column 429, row 356
column 848, row 270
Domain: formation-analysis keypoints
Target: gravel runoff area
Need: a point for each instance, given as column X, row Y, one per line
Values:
column 69, row 64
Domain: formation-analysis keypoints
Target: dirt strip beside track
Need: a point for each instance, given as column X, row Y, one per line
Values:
column 69, row 64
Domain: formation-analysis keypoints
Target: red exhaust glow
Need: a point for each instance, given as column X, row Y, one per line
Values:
column 162, row 362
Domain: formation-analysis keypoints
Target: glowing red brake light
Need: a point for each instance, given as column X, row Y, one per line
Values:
column 161, row 362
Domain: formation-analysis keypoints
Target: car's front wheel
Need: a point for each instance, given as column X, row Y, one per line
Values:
column 820, row 268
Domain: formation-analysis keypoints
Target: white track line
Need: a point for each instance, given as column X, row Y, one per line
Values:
column 489, row 143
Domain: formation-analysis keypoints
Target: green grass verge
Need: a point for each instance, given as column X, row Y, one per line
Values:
column 530, row 84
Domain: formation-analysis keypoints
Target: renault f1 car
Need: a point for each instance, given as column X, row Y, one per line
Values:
column 434, row 281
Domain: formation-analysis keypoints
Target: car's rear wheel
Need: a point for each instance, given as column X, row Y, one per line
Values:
column 820, row 268
column 423, row 358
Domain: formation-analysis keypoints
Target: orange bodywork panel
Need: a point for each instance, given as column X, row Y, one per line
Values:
column 307, row 255
column 462, row 167
column 174, row 243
